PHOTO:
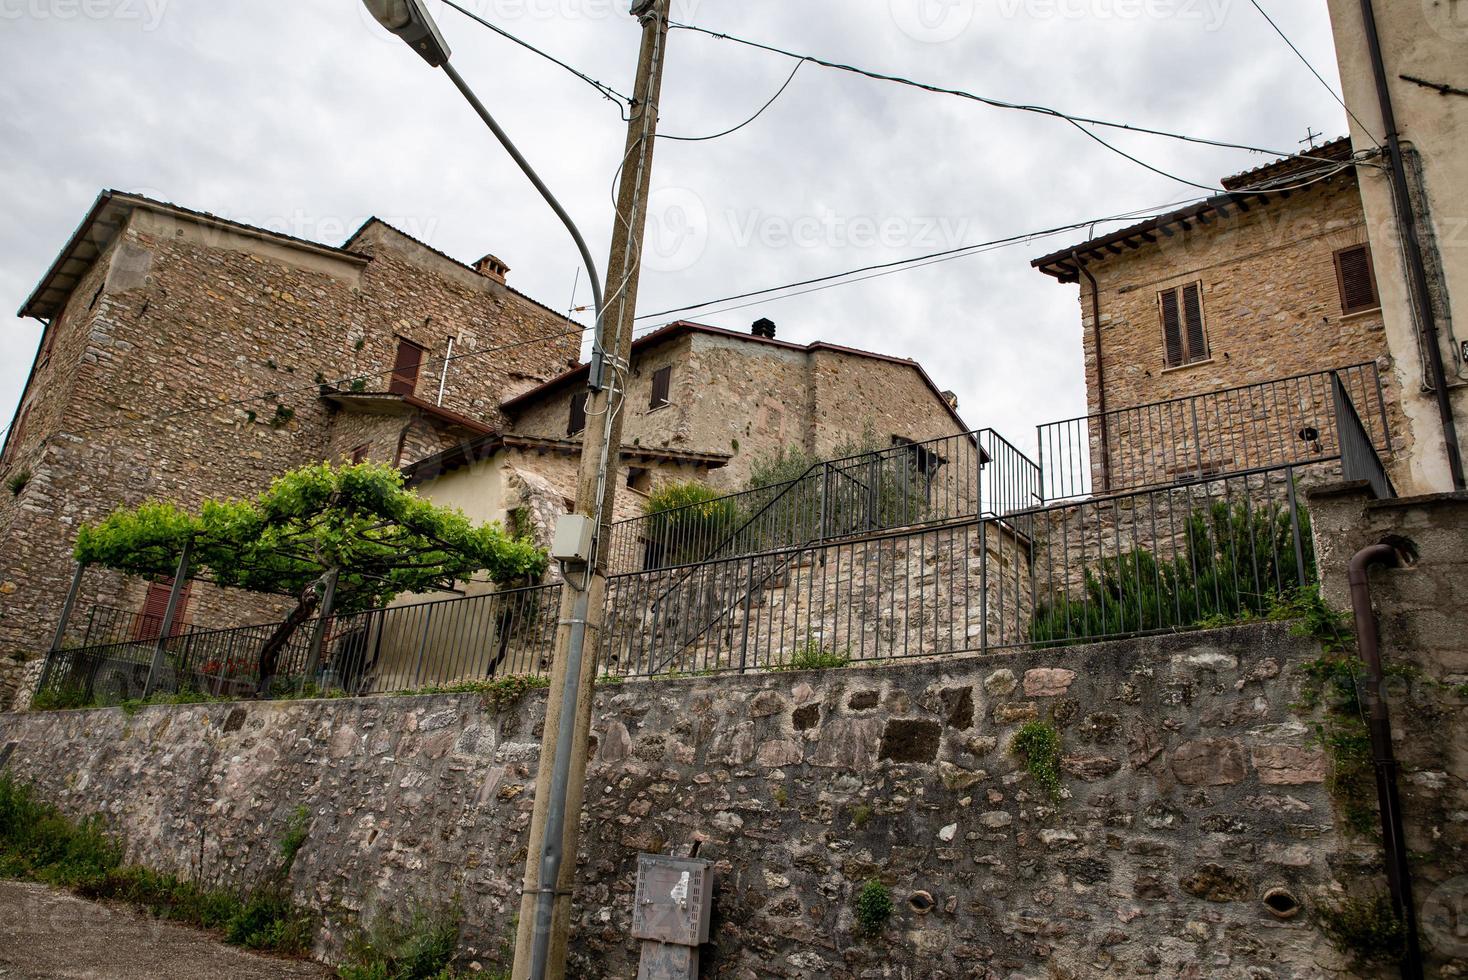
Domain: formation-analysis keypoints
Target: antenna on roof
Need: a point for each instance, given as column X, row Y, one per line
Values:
column 575, row 281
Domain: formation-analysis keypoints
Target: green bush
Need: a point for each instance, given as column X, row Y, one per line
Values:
column 687, row 521
column 1236, row 561
column 420, row 947
column 873, row 907
column 814, row 656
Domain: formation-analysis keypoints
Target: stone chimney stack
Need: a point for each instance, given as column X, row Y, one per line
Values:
column 492, row 268
column 763, row 328
column 952, row 399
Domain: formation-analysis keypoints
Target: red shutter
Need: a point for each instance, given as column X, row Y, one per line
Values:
column 405, row 370
column 1356, row 277
column 155, row 607
column 1193, row 313
column 1171, row 328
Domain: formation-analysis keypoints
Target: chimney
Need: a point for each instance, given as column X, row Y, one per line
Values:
column 763, row 328
column 492, row 268
column 952, row 399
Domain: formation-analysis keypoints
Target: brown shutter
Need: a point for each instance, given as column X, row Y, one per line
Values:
column 662, row 386
column 405, row 370
column 577, row 421
column 359, row 455
column 1171, row 328
column 1356, row 277
column 155, row 607
column 1193, row 314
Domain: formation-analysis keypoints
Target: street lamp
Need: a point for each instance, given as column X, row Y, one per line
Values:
column 409, row 20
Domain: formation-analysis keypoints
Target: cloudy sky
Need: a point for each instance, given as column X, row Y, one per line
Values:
column 304, row 117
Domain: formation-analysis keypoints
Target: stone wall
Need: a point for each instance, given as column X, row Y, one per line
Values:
column 1191, row 787
column 183, row 315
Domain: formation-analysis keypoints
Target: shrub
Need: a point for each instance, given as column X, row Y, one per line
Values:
column 873, row 907
column 1236, row 561
column 420, row 947
column 1039, row 743
column 813, row 656
column 18, row 481
column 686, row 522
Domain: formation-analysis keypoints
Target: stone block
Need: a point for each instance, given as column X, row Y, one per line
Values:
column 1209, row 762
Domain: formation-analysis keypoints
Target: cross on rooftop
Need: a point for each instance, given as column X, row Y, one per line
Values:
column 1310, row 137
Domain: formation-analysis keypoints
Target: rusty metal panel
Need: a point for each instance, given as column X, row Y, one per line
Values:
column 674, row 900
column 662, row 961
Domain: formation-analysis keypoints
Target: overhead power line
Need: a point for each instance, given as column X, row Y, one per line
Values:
column 1319, row 77
column 735, row 129
column 996, row 103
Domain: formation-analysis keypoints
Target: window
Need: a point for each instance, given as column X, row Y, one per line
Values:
column 639, row 478
column 359, row 455
column 405, row 368
column 155, row 606
column 662, row 382
column 1183, row 336
column 1355, row 274
column 577, row 421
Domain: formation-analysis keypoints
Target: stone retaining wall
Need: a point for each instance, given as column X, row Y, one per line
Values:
column 1191, row 787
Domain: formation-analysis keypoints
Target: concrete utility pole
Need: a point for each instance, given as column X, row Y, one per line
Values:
column 550, row 862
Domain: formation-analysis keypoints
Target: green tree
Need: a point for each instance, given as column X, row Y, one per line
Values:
column 357, row 523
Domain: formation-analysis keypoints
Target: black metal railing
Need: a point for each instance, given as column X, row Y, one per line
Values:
column 1285, row 421
column 908, row 484
column 404, row 647
column 1359, row 458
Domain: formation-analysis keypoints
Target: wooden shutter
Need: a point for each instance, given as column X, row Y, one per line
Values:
column 577, row 422
column 662, row 386
column 155, row 607
column 1171, row 327
column 405, row 369
column 1193, row 321
column 1356, row 276
column 359, row 455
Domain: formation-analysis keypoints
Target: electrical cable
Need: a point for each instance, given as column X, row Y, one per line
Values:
column 1321, row 78
column 735, row 129
column 987, row 100
column 606, row 90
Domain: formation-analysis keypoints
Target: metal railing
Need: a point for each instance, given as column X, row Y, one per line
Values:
column 1271, row 423
column 908, row 484
column 1359, row 459
column 1159, row 560
column 404, row 647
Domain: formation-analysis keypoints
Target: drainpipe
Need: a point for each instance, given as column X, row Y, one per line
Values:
column 1378, row 721
column 443, row 377
column 1416, row 265
column 1082, row 268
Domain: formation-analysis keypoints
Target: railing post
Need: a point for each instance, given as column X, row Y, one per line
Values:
column 1197, row 437
column 422, row 644
column 983, row 586
column 60, row 636
column 1386, row 432
column 1295, row 527
column 825, row 500
column 328, row 596
column 748, row 607
column 180, row 576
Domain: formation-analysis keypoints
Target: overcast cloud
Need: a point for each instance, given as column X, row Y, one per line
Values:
column 302, row 116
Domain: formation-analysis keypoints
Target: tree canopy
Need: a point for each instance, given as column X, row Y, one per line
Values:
column 358, row 520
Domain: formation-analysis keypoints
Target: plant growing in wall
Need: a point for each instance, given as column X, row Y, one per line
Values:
column 1038, row 744
column 873, row 907
column 18, row 481
column 354, row 524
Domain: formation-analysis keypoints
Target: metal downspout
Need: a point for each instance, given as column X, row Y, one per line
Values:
column 1100, row 369
column 1378, row 721
column 1416, row 265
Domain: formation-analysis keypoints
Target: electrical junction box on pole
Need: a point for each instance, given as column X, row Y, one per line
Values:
column 670, row 914
column 572, row 542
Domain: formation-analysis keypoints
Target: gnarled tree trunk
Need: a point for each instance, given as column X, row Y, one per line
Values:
column 270, row 651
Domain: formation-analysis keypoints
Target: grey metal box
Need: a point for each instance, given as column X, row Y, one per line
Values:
column 674, row 900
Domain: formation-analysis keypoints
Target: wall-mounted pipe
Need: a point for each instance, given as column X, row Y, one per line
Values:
column 1082, row 269
column 1378, row 722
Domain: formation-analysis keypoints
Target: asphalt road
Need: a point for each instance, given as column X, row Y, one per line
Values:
column 50, row 935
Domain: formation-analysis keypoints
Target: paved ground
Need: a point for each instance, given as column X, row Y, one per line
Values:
column 50, row 935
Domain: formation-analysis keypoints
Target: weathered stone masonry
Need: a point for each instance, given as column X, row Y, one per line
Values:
column 1192, row 787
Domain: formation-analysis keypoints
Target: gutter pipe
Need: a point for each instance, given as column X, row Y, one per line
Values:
column 1378, row 721
column 1084, row 269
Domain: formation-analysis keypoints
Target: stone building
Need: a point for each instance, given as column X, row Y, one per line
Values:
column 1272, row 279
column 1421, row 86
column 702, row 403
column 187, row 356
